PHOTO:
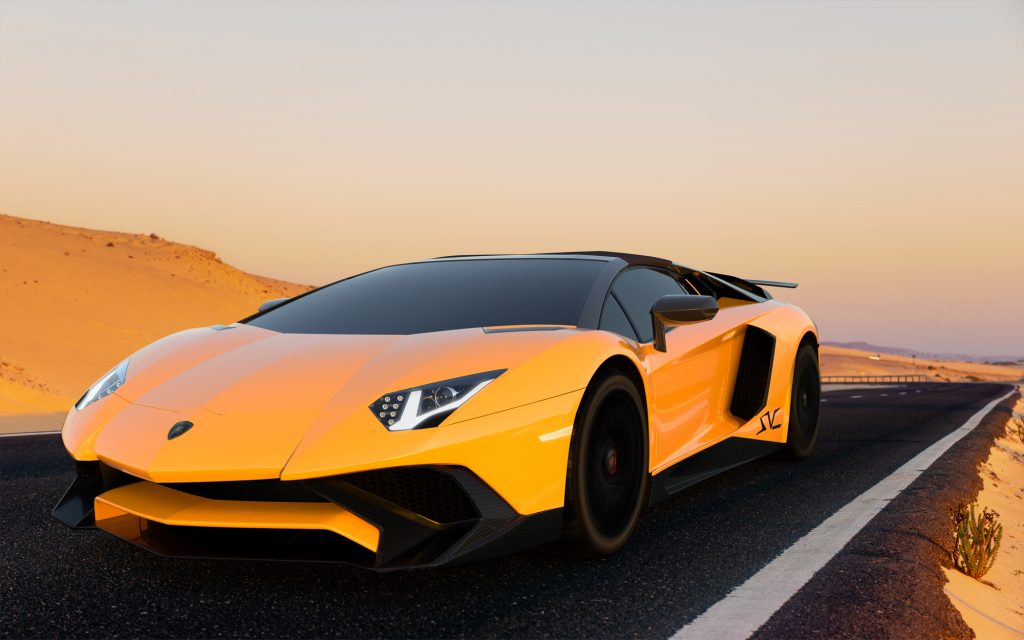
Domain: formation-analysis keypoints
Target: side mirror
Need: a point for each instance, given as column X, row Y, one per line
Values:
column 272, row 304
column 680, row 309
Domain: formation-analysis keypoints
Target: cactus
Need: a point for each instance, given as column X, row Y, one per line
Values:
column 976, row 538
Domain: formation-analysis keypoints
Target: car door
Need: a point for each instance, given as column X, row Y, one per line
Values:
column 690, row 379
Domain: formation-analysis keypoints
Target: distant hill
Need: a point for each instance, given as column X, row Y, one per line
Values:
column 848, row 361
column 911, row 353
column 77, row 301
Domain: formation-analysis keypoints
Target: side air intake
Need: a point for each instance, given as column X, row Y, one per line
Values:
column 754, row 374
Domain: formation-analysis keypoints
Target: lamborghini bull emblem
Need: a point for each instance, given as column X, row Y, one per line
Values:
column 178, row 429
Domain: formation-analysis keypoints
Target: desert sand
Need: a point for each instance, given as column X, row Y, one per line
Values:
column 994, row 608
column 77, row 301
column 841, row 361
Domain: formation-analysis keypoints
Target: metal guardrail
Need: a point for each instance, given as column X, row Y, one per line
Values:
column 872, row 379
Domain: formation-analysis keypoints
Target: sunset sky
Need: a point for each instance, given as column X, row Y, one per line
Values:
column 872, row 151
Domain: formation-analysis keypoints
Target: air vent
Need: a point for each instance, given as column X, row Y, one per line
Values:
column 754, row 373
column 423, row 490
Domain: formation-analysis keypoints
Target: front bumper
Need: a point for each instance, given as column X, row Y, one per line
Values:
column 387, row 519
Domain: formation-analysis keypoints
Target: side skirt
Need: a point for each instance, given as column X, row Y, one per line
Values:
column 729, row 453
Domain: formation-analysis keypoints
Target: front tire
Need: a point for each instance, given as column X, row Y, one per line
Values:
column 805, row 405
column 607, row 481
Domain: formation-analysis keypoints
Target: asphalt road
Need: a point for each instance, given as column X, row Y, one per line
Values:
column 689, row 552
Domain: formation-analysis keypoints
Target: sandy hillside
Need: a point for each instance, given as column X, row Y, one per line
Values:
column 842, row 361
column 77, row 301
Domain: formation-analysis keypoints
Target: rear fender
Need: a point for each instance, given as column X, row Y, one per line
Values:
column 789, row 325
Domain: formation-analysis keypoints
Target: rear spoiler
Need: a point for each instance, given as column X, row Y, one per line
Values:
column 775, row 283
column 755, row 287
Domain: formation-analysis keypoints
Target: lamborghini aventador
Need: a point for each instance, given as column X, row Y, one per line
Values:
column 444, row 411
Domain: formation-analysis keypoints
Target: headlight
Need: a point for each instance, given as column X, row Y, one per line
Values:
column 105, row 386
column 427, row 406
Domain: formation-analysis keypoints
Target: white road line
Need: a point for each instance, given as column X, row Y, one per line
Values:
column 29, row 433
column 750, row 605
column 903, row 393
column 885, row 395
column 855, row 397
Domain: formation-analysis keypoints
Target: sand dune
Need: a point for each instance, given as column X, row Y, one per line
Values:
column 76, row 301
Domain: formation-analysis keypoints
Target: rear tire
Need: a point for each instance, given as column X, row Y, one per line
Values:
column 607, row 480
column 805, row 405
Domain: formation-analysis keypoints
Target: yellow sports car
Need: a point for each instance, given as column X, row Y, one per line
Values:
column 444, row 411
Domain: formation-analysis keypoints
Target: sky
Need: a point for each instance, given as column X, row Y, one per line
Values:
column 872, row 151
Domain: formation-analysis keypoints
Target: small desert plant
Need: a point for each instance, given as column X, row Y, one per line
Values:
column 1016, row 426
column 976, row 538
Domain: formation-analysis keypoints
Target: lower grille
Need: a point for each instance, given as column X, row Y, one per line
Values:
column 250, row 490
column 423, row 490
column 426, row 491
column 431, row 492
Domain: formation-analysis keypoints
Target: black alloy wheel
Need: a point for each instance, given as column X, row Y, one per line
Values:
column 805, row 409
column 608, row 478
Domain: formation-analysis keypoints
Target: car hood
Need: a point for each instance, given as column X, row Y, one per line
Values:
column 257, row 397
column 250, row 370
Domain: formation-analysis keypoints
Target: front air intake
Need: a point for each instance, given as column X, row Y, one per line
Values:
column 426, row 491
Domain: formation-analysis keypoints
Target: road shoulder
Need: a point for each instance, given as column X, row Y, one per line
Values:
column 994, row 606
column 890, row 576
column 31, row 422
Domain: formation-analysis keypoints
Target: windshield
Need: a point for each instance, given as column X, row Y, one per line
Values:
column 443, row 295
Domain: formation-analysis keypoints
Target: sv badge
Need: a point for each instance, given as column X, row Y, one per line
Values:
column 768, row 421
